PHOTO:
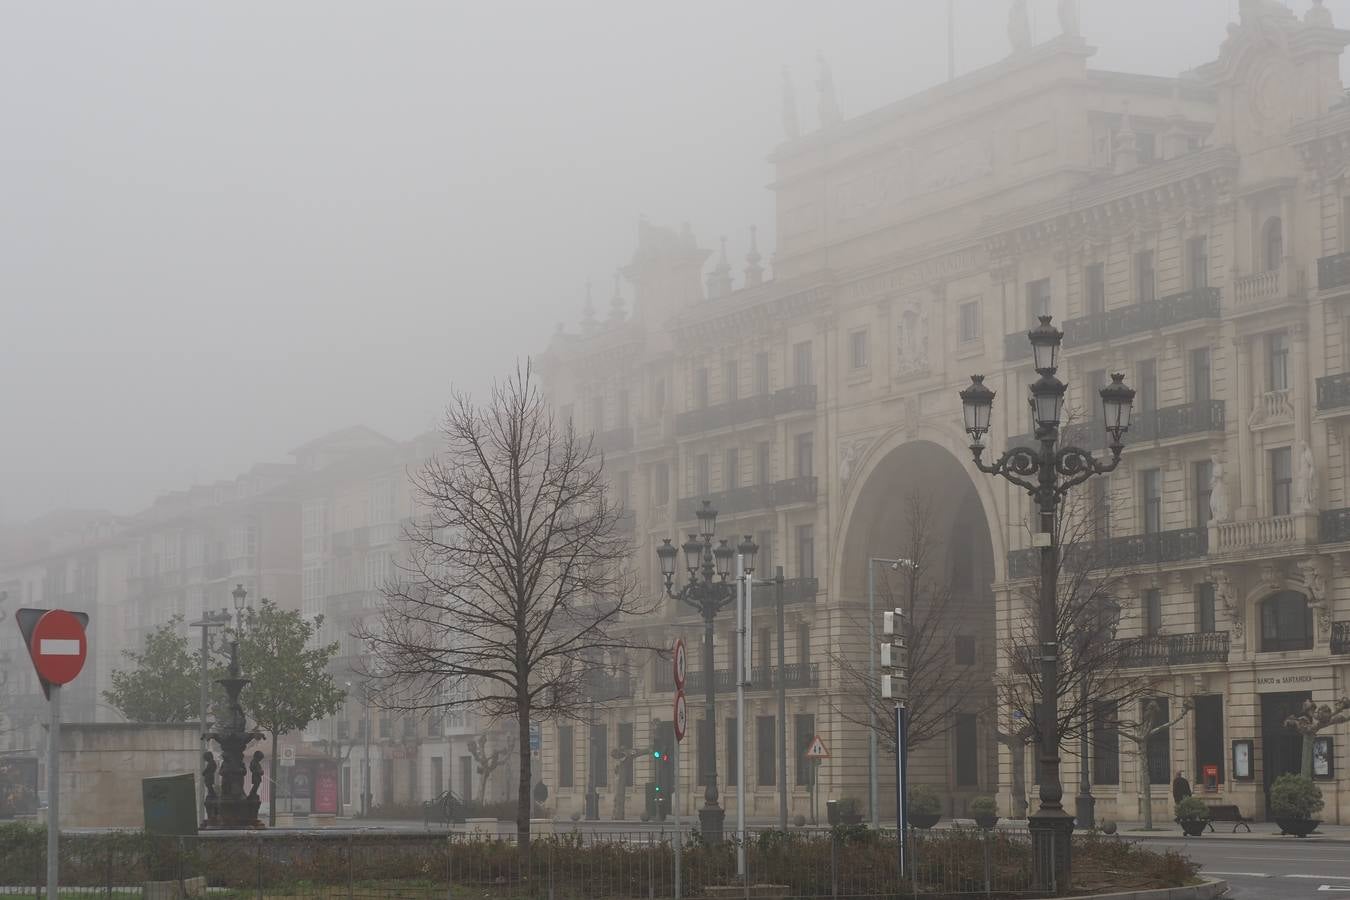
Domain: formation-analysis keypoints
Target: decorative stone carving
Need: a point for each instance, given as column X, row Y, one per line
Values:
column 848, row 457
column 1225, row 594
column 1218, row 493
column 1312, row 572
column 912, row 339
column 1305, row 480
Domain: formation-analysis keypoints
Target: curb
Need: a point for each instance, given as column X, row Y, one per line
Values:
column 1212, row 887
column 1239, row 838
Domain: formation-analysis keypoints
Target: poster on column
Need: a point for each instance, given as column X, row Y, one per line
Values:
column 326, row 788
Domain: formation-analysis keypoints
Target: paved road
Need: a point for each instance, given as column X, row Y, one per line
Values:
column 1278, row 869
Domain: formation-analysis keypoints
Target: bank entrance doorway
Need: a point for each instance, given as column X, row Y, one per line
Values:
column 1281, row 748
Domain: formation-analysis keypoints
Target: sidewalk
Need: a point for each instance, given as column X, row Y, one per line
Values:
column 1326, row 834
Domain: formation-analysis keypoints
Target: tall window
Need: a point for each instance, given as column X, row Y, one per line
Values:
column 804, row 643
column 965, row 735
column 1150, row 491
column 1146, row 147
column 1105, row 743
column 1158, row 748
column 1204, row 607
column 1272, row 241
column 565, row 763
column 731, row 768
column 622, row 485
column 969, row 321
column 659, row 396
column 765, row 563
column 803, row 730
column 1101, row 509
column 1200, row 375
column 806, row 551
column 765, row 757
column 1096, row 380
column 1277, row 361
column 1144, row 283
column 599, row 755
column 731, row 380
column 1152, row 603
column 1286, row 622
column 1147, row 398
column 857, row 349
column 626, row 742
column 701, row 474
column 597, row 413
column 803, row 372
column 1038, row 300
column 1281, row 481
column 763, row 457
column 1209, row 745
column 805, row 453
column 965, row 649
column 623, row 410
column 660, row 484
column 1202, row 474
column 700, row 388
column 1197, row 263
column 761, row 373
column 731, row 469
column 1094, row 289
column 765, row 650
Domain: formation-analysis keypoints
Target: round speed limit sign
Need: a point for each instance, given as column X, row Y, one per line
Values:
column 681, row 716
column 681, row 659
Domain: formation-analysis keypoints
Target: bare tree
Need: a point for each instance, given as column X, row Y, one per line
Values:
column 938, row 687
column 515, row 585
column 1152, row 720
column 487, row 763
column 1311, row 719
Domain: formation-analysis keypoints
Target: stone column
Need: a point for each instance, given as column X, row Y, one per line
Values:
column 1244, row 487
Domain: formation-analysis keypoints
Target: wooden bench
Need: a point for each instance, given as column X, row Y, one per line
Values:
column 1228, row 812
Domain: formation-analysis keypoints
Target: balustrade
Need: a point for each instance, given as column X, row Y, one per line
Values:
column 1272, row 408
column 1273, row 531
column 1252, row 290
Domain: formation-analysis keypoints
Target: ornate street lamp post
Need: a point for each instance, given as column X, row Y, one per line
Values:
column 1047, row 473
column 240, row 595
column 709, row 590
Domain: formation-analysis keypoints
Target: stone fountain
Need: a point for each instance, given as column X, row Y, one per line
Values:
column 232, row 809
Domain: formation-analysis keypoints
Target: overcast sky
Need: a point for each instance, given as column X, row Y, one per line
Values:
column 228, row 227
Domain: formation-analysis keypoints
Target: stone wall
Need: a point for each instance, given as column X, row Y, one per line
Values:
column 102, row 765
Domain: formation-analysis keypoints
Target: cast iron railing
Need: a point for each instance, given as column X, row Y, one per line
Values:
column 1333, row 391
column 1016, row 347
column 1334, row 526
column 1127, row 550
column 747, row 499
column 746, row 409
column 615, row 440
column 1201, row 303
column 1174, row 649
column 1333, row 271
column 1340, row 637
column 762, row 678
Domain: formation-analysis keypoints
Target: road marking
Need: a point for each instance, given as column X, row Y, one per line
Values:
column 1237, row 874
column 58, row 647
column 1332, row 887
column 1322, row 877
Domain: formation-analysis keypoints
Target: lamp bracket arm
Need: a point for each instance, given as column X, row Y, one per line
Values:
column 1078, row 465
column 1017, row 465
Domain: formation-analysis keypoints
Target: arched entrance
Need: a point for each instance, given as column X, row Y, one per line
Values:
column 916, row 499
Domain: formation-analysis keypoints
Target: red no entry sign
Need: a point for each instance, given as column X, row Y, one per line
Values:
column 56, row 642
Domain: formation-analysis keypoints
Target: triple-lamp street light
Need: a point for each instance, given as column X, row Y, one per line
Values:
column 709, row 590
column 1047, row 472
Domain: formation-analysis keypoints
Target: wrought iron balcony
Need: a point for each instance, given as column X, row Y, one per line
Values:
column 616, row 440
column 603, row 687
column 218, row 568
column 1333, row 391
column 1174, row 649
column 1176, row 421
column 796, row 590
column 1016, row 347
column 1189, row 306
column 746, row 409
column 1118, row 552
column 1087, row 435
column 749, row 499
column 762, row 678
column 1333, row 271
column 1334, row 526
column 1340, row 637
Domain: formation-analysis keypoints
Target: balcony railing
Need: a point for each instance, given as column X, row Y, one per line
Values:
column 748, row 499
column 1176, row 421
column 1016, row 347
column 1174, row 649
column 1085, row 435
column 603, row 687
column 1256, row 534
column 615, row 440
column 746, row 409
column 762, row 678
column 1202, row 303
column 1340, row 637
column 1333, row 526
column 1250, row 290
column 1128, row 550
column 1333, row 391
column 218, row 568
column 1333, row 271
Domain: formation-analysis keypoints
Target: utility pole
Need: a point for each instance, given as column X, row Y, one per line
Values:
column 872, row 790
column 782, row 708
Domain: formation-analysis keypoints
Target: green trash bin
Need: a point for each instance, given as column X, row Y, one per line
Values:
column 170, row 803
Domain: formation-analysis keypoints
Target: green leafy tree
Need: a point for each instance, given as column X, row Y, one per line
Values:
column 291, row 685
column 164, row 681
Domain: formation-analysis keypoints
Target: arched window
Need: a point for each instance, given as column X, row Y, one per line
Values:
column 1273, row 243
column 1286, row 622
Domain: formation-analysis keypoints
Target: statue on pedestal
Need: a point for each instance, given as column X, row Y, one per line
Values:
column 209, row 776
column 232, row 808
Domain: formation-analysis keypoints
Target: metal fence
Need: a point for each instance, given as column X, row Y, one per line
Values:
column 840, row 863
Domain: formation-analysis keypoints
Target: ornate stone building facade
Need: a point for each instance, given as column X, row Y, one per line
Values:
column 1191, row 232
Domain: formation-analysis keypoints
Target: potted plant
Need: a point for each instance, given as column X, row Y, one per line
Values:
column 850, row 811
column 924, row 807
column 1294, row 800
column 1192, row 816
column 984, row 810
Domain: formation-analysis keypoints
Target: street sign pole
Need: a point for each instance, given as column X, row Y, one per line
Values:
column 53, row 792
column 740, row 713
column 675, row 812
column 679, row 721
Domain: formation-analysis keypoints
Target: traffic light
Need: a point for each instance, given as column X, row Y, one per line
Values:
column 660, row 756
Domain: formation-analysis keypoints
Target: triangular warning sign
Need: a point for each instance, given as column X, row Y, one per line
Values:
column 817, row 749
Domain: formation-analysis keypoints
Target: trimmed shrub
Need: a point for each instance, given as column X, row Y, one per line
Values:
column 924, row 801
column 1295, row 797
column 1193, row 808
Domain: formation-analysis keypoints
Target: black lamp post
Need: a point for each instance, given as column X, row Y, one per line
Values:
column 1047, row 473
column 240, row 595
column 709, row 590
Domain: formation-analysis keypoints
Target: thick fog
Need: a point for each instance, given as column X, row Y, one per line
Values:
column 229, row 227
